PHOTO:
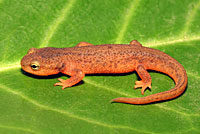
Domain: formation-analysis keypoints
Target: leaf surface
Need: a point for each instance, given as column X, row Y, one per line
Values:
column 32, row 105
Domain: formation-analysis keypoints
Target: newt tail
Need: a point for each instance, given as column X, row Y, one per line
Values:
column 178, row 75
column 86, row 58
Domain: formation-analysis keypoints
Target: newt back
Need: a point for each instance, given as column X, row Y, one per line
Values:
column 86, row 58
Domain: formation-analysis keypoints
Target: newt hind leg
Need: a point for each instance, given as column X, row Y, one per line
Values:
column 145, row 76
column 135, row 42
column 84, row 44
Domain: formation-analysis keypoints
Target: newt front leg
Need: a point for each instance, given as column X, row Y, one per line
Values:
column 76, row 76
column 86, row 58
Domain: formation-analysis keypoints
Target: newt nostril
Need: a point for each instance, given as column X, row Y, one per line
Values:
column 22, row 64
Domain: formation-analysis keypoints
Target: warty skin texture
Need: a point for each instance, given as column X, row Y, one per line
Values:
column 86, row 58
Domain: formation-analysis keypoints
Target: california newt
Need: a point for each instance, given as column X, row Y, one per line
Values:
column 86, row 58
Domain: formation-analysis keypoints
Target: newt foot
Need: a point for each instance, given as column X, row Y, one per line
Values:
column 143, row 85
column 63, row 83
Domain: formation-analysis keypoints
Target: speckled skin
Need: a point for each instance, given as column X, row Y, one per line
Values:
column 86, row 58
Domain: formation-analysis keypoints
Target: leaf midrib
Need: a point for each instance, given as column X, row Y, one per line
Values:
column 54, row 26
column 89, row 81
column 64, row 112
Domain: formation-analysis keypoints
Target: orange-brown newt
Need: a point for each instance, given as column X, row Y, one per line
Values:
column 86, row 58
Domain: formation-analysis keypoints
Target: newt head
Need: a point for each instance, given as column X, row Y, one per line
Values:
column 36, row 64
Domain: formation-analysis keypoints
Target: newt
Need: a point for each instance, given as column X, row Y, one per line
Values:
column 86, row 58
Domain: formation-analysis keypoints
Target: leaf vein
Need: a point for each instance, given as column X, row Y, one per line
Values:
column 106, row 87
column 19, row 128
column 190, row 18
column 114, row 90
column 54, row 26
column 9, row 66
column 122, row 93
column 64, row 112
column 171, row 41
column 193, row 75
column 127, row 18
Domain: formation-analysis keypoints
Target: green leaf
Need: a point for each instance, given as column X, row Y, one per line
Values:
column 33, row 105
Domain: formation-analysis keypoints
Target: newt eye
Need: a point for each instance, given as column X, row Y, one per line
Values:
column 35, row 65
